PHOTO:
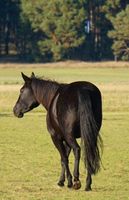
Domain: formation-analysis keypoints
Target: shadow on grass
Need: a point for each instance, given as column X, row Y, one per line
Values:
column 113, row 118
column 6, row 114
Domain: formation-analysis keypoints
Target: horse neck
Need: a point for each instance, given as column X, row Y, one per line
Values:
column 44, row 91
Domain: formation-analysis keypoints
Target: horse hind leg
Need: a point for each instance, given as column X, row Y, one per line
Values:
column 88, row 182
column 77, row 183
column 76, row 149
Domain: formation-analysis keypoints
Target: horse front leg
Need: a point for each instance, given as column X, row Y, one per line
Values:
column 62, row 176
column 64, row 162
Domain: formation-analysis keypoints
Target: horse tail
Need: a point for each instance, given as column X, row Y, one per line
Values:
column 90, row 138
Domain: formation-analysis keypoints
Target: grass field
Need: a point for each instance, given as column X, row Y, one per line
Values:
column 29, row 162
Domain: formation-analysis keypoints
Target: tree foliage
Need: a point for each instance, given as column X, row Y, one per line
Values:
column 64, row 29
column 9, row 16
column 120, row 34
column 62, row 23
column 116, row 13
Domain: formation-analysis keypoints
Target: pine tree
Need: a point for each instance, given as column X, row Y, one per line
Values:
column 62, row 23
column 120, row 34
column 111, row 10
column 113, row 7
column 9, row 17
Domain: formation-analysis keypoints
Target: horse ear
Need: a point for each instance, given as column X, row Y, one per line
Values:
column 25, row 78
column 32, row 75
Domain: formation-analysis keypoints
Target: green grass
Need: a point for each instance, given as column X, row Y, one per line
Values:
column 29, row 162
column 30, row 165
column 97, row 75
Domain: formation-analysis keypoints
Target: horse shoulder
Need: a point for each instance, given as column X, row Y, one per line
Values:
column 52, row 120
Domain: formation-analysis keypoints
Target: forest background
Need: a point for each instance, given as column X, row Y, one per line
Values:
column 42, row 31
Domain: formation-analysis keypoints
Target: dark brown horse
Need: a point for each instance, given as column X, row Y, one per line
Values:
column 73, row 110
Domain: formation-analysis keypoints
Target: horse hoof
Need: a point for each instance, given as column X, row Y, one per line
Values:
column 70, row 185
column 77, row 185
column 88, row 189
column 60, row 183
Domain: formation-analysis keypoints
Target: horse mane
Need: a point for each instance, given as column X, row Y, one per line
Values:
column 43, row 81
column 44, row 89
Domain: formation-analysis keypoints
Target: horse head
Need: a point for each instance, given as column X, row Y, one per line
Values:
column 26, row 100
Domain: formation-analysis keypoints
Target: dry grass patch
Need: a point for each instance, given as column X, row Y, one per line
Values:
column 72, row 64
column 114, row 87
column 9, row 88
column 103, row 87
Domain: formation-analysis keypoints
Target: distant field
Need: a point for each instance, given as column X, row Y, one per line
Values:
column 111, row 72
column 29, row 162
column 113, row 82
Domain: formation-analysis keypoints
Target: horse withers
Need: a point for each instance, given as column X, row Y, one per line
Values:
column 73, row 111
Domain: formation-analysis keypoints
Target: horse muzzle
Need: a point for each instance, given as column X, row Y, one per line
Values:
column 17, row 113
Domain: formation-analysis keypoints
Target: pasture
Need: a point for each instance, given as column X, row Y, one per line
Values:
column 29, row 162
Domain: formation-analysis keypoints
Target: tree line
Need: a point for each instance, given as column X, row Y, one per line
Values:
column 65, row 29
